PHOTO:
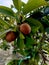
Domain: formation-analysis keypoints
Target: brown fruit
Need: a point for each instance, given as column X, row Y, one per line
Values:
column 10, row 36
column 25, row 28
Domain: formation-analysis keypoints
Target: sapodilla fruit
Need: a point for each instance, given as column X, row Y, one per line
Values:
column 25, row 28
column 10, row 36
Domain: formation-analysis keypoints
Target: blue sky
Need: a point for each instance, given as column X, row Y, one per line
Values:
column 8, row 2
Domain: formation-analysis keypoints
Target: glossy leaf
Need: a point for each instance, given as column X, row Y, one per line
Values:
column 6, row 11
column 22, row 36
column 36, row 23
column 17, row 4
column 23, row 4
column 20, row 43
column 33, row 4
column 2, row 34
column 29, row 42
column 4, row 23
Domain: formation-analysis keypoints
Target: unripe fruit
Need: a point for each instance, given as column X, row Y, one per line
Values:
column 10, row 36
column 25, row 28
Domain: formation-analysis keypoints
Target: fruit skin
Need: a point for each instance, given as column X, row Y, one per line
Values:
column 10, row 36
column 25, row 28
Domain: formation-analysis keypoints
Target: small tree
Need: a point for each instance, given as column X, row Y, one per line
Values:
column 27, row 30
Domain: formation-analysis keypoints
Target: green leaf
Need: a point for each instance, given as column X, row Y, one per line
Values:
column 13, row 62
column 17, row 4
column 29, row 42
column 1, row 28
column 22, row 52
column 47, row 30
column 2, row 33
column 6, row 11
column 33, row 22
column 4, row 23
column 33, row 4
column 20, row 43
column 45, row 21
column 35, row 29
column 22, row 36
column 23, row 4
column 4, row 45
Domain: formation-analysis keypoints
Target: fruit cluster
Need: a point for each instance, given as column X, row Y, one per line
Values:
column 24, row 28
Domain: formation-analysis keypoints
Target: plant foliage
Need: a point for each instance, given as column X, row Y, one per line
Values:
column 34, row 46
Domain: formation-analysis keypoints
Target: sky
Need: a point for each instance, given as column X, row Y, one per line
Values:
column 8, row 2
